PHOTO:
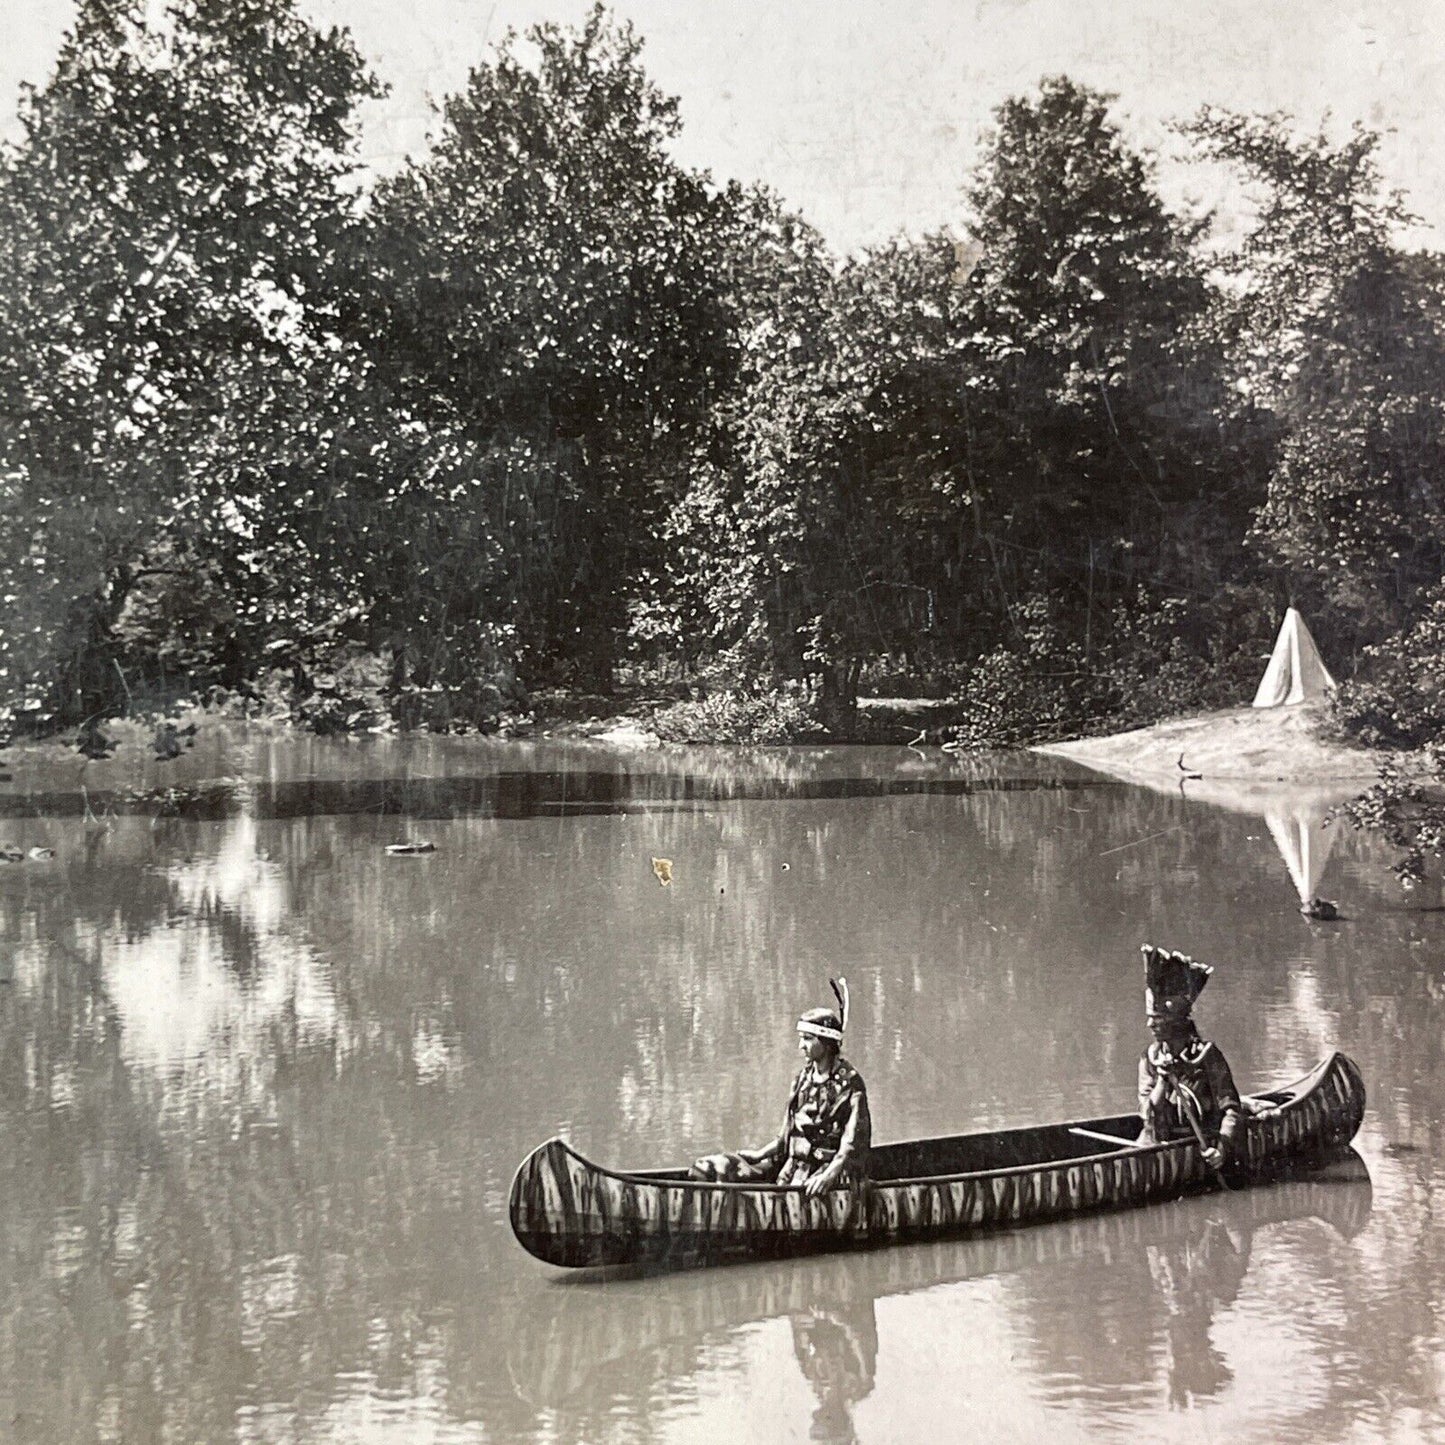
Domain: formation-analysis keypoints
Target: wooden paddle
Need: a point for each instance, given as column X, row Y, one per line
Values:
column 1104, row 1138
column 1189, row 1108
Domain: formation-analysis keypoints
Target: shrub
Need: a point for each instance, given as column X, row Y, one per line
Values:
column 1158, row 658
column 777, row 715
column 1399, row 699
column 1408, row 811
column 1013, row 698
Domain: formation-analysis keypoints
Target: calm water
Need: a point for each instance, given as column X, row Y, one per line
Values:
column 262, row 1089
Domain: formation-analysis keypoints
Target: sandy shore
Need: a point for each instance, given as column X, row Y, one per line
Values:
column 1245, row 744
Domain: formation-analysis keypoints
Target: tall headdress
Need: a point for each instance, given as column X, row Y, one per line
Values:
column 1173, row 975
column 824, row 1023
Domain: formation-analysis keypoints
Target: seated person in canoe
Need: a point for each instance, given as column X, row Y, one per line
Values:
column 826, row 1130
column 1185, row 1087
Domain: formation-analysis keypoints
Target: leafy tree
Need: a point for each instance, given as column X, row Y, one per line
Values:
column 814, row 502
column 1098, row 460
column 918, row 447
column 1397, row 697
column 168, row 224
column 1340, row 338
column 548, row 272
column 1404, row 807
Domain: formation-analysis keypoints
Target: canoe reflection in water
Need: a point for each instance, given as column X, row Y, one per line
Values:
column 1152, row 1303
column 1102, row 1305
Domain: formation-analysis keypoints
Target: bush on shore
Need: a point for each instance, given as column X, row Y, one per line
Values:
column 1398, row 698
column 1044, row 686
column 734, row 715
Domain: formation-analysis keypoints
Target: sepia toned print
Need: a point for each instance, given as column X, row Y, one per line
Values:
column 579, row 578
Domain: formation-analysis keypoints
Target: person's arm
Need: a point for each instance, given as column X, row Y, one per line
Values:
column 777, row 1147
column 1226, row 1100
column 1152, row 1090
column 765, row 1153
column 857, row 1131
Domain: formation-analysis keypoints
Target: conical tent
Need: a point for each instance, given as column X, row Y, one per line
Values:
column 1296, row 672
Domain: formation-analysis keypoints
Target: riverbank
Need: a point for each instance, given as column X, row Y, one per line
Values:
column 1244, row 744
column 1273, row 745
column 886, row 721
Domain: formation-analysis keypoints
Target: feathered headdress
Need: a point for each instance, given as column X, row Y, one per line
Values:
column 1173, row 975
column 823, row 1023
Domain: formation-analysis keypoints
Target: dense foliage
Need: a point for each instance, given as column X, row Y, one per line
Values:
column 548, row 407
column 168, row 232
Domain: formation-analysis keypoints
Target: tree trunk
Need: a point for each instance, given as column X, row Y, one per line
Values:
column 838, row 698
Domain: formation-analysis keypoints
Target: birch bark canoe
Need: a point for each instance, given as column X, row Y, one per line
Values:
column 568, row 1211
column 560, row 1343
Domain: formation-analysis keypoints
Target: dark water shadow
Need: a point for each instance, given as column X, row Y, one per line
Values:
column 512, row 795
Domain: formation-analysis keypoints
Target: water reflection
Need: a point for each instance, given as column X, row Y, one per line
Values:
column 514, row 795
column 1155, row 1295
column 838, row 1356
column 1302, row 819
column 1194, row 1282
column 263, row 1088
column 230, row 970
column 1102, row 1305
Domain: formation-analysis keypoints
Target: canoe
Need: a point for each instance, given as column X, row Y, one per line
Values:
column 568, row 1211
column 606, row 1346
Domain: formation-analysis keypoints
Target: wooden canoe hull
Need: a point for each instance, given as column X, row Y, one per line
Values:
column 567, row 1211
column 559, row 1341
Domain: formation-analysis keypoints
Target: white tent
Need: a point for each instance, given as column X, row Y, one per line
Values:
column 1296, row 672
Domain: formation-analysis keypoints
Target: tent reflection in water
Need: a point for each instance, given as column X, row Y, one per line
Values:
column 1296, row 672
column 1304, row 837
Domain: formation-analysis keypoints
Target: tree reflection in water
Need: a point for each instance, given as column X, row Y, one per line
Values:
column 262, row 1088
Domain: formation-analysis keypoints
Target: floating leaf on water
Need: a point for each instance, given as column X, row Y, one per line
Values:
column 662, row 867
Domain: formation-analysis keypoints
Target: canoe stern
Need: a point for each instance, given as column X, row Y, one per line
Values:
column 545, row 1209
column 1320, row 1121
column 567, row 1211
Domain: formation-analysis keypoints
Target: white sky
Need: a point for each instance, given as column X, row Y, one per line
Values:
column 865, row 114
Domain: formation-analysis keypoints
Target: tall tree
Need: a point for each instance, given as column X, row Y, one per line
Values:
column 1096, row 426
column 927, row 435
column 168, row 222
column 807, row 541
column 1339, row 337
column 550, row 273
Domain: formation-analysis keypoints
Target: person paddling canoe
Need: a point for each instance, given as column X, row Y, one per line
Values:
column 827, row 1130
column 1185, row 1086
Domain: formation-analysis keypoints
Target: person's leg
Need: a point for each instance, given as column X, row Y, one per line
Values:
column 728, row 1169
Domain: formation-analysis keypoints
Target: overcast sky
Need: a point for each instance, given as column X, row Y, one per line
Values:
column 865, row 114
